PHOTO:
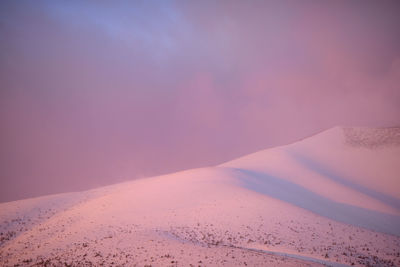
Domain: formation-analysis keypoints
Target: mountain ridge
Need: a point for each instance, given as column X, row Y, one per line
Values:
column 318, row 201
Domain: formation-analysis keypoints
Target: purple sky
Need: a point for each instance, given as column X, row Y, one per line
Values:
column 95, row 93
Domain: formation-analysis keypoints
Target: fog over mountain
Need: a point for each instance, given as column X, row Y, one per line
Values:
column 93, row 93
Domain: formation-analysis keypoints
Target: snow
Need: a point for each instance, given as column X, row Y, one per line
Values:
column 330, row 199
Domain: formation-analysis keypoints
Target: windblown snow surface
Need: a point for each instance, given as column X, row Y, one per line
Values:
column 331, row 199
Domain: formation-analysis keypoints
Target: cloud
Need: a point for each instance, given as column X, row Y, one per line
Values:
column 94, row 93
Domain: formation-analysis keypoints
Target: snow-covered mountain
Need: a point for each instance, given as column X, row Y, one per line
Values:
column 330, row 199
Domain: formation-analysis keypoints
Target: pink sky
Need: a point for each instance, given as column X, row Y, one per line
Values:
column 94, row 93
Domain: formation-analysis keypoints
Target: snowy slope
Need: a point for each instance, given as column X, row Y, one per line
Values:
column 330, row 199
column 346, row 174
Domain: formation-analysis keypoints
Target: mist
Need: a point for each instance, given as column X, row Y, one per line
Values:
column 94, row 93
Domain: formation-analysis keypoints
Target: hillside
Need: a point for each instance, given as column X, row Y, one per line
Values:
column 330, row 199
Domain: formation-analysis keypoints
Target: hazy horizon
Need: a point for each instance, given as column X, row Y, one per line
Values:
column 94, row 93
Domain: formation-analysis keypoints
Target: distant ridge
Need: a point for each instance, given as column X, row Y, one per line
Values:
column 372, row 137
column 368, row 137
